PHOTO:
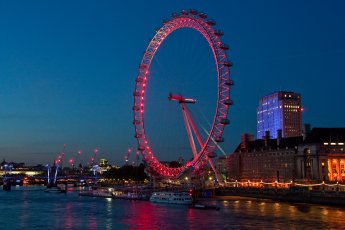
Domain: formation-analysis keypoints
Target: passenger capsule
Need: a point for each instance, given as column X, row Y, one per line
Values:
column 228, row 63
column 224, row 47
column 211, row 22
column 218, row 33
column 184, row 12
column 228, row 102
column 229, row 82
column 219, row 139
column 225, row 121
column 202, row 15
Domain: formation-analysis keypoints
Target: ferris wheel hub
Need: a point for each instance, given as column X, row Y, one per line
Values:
column 181, row 99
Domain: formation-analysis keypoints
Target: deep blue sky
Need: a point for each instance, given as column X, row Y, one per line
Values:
column 67, row 71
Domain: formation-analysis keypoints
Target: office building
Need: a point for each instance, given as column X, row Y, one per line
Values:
column 279, row 113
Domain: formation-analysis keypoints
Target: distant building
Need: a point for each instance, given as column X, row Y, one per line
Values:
column 104, row 165
column 279, row 111
column 103, row 162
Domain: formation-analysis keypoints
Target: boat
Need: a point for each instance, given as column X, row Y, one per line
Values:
column 97, row 192
column 171, row 198
column 55, row 190
column 130, row 196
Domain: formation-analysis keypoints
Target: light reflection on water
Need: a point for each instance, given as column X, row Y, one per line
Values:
column 39, row 210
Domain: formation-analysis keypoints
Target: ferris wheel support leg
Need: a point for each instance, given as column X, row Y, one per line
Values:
column 189, row 131
column 195, row 130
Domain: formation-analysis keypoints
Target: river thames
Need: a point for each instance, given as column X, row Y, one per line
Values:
column 40, row 210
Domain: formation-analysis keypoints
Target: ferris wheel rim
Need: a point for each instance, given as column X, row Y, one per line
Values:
column 197, row 21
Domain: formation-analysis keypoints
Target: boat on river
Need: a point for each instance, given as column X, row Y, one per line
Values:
column 51, row 188
column 172, row 198
column 55, row 190
column 97, row 192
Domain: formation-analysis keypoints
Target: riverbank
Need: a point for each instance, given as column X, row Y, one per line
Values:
column 293, row 195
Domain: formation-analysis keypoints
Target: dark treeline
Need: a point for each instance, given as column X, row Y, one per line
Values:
column 135, row 173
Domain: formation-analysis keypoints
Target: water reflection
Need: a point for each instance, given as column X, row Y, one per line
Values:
column 262, row 208
column 109, row 222
column 37, row 210
column 305, row 208
column 23, row 217
column 68, row 218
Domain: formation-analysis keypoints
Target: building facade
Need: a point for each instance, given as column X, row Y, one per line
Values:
column 267, row 160
column 321, row 157
column 279, row 111
column 318, row 157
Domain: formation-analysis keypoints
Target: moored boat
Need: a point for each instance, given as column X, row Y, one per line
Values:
column 97, row 192
column 55, row 190
column 172, row 198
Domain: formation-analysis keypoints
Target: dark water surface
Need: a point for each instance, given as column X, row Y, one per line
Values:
column 40, row 210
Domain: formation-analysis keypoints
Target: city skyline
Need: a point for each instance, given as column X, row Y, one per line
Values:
column 67, row 71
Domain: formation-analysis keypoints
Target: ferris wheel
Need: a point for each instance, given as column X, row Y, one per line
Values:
column 207, row 146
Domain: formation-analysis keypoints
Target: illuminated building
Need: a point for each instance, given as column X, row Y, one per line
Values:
column 103, row 162
column 266, row 160
column 320, row 157
column 279, row 111
column 21, row 169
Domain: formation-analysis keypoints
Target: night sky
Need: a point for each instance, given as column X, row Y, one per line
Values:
column 68, row 68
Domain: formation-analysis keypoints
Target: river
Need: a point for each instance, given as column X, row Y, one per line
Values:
column 36, row 209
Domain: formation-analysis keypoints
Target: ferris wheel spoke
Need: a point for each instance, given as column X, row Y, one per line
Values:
column 218, row 146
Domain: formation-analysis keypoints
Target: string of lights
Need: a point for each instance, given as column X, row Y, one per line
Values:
column 284, row 184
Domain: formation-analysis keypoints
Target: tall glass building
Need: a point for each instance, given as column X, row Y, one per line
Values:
column 279, row 111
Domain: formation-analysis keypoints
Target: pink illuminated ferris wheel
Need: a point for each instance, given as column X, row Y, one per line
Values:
column 206, row 146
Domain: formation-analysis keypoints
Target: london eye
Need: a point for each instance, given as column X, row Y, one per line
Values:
column 207, row 146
